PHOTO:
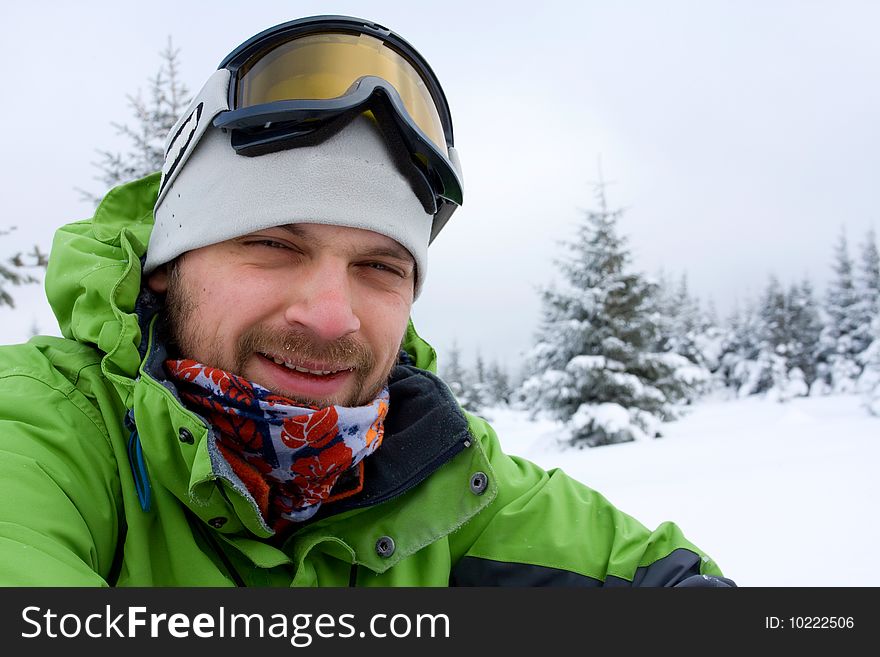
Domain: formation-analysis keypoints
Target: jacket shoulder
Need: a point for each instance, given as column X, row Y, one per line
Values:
column 546, row 528
column 67, row 367
column 46, row 357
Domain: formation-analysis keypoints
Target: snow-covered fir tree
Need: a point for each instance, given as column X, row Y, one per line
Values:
column 771, row 372
column 13, row 272
column 760, row 344
column 687, row 322
column 664, row 312
column 869, row 380
column 458, row 379
column 805, row 325
column 595, row 365
column 729, row 348
column 685, row 328
column 709, row 342
column 838, row 345
column 479, row 388
column 781, row 351
column 154, row 116
column 740, row 368
column 480, row 393
column 498, row 384
column 867, row 289
column 771, row 346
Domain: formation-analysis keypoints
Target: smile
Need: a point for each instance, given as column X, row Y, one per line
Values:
column 305, row 370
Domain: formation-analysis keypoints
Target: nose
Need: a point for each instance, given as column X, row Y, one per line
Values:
column 321, row 300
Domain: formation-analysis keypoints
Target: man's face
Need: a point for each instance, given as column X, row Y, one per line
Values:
column 312, row 312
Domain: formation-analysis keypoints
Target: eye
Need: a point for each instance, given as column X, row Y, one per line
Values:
column 384, row 267
column 268, row 242
column 272, row 244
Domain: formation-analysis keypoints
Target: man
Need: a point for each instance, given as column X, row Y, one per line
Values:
column 240, row 398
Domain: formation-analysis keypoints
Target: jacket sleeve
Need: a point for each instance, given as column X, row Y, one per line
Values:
column 58, row 519
column 547, row 529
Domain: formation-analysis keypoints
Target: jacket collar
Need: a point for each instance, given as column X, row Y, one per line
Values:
column 424, row 429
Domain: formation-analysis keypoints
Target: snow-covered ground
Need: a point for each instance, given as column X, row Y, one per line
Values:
column 778, row 494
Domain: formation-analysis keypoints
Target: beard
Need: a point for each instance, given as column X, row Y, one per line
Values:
column 185, row 339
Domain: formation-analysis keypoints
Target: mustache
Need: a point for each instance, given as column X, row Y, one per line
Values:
column 343, row 353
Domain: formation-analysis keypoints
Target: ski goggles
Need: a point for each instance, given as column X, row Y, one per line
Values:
column 295, row 83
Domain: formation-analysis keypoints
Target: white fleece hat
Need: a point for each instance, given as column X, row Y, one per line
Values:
column 210, row 194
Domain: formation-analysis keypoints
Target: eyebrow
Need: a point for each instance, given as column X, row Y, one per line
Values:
column 395, row 250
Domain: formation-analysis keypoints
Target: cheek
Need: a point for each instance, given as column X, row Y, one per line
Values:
column 227, row 303
column 384, row 326
column 228, row 289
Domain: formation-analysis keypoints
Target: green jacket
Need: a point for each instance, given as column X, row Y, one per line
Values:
column 105, row 478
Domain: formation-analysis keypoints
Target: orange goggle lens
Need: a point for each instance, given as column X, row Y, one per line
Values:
column 323, row 66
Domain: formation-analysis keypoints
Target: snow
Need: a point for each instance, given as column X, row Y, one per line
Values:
column 611, row 417
column 778, row 494
column 586, row 363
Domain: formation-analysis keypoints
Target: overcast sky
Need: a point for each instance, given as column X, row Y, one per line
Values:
column 741, row 136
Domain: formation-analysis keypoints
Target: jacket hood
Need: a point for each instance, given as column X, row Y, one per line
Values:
column 94, row 279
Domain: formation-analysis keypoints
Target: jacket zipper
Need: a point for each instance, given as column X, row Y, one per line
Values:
column 218, row 549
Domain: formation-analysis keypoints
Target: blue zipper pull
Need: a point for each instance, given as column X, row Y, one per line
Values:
column 138, row 465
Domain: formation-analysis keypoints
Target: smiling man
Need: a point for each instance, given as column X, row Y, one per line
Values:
column 240, row 398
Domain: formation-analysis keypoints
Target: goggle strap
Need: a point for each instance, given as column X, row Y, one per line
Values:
column 254, row 134
column 266, row 141
column 443, row 215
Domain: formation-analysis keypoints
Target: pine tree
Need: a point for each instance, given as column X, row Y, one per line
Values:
column 684, row 328
column 594, row 365
column 12, row 271
column 710, row 316
column 710, row 342
column 664, row 313
column 154, row 117
column 838, row 348
column 771, row 347
column 729, row 353
column 687, row 322
column 790, row 332
column 742, row 371
column 458, row 379
column 774, row 343
column 806, row 327
column 867, row 289
column 869, row 381
column 759, row 357
column 480, row 394
column 498, row 384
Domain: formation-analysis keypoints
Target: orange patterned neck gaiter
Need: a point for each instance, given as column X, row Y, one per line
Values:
column 288, row 456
